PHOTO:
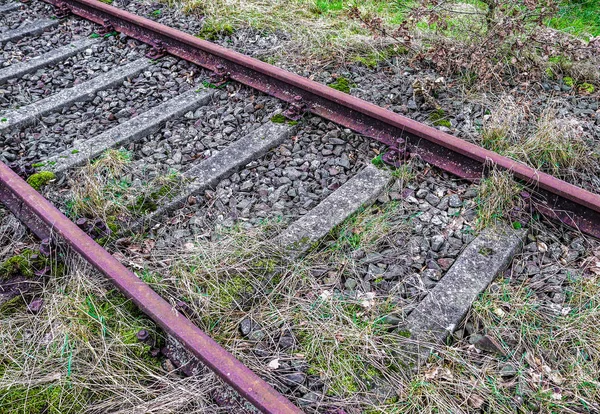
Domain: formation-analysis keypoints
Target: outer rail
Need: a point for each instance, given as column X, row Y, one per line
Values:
column 560, row 200
column 44, row 219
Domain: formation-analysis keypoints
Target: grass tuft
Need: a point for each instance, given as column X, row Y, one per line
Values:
column 555, row 146
column 498, row 196
column 104, row 189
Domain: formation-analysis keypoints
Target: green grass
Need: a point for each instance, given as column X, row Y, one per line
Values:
column 578, row 17
column 318, row 28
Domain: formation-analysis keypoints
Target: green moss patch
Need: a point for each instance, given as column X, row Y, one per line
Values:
column 586, row 87
column 39, row 180
column 438, row 117
column 213, row 30
column 51, row 399
column 281, row 119
column 567, row 80
column 342, row 84
column 26, row 264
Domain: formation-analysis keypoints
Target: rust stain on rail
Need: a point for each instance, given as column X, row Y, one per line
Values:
column 44, row 219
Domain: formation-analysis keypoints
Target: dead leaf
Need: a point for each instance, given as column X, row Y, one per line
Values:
column 475, row 401
column 148, row 245
column 274, row 364
column 431, row 373
column 556, row 378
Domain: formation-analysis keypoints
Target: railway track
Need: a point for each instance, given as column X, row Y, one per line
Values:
column 55, row 122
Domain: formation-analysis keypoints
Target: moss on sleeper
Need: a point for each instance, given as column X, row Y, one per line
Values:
column 39, row 180
column 26, row 264
column 281, row 119
column 16, row 265
column 10, row 306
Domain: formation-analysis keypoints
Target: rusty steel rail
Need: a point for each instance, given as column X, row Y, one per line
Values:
column 557, row 199
column 45, row 220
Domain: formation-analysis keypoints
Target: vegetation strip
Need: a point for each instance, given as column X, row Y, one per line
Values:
column 442, row 310
column 232, row 371
column 82, row 92
column 19, row 69
column 132, row 130
column 559, row 200
column 31, row 29
column 208, row 173
column 360, row 190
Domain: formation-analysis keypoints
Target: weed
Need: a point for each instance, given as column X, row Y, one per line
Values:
column 373, row 56
column 404, row 173
column 500, row 128
column 378, row 161
column 281, row 119
column 212, row 30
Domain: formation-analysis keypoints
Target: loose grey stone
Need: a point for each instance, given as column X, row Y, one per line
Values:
column 294, row 379
column 454, row 201
column 246, row 326
column 437, row 242
column 432, row 199
column 508, row 370
column 350, row 283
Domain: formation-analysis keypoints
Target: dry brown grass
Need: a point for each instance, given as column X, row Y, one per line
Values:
column 80, row 354
column 316, row 30
column 549, row 143
column 556, row 146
